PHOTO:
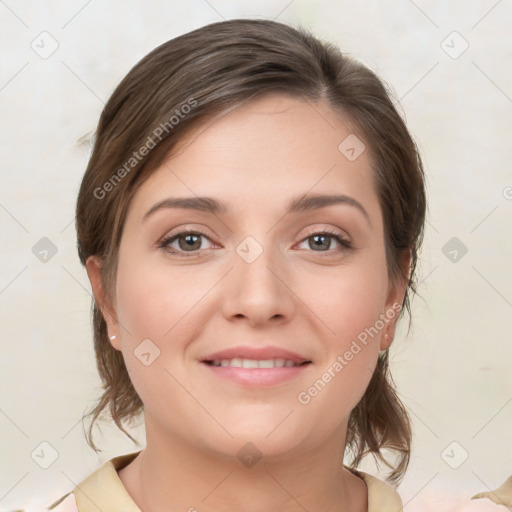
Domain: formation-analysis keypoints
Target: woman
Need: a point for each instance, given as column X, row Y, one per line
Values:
column 249, row 221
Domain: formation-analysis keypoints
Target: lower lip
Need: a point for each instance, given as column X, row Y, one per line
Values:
column 258, row 377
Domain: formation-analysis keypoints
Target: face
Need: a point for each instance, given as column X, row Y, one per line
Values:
column 211, row 303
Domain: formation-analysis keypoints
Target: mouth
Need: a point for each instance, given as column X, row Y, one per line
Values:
column 238, row 362
column 256, row 367
column 245, row 356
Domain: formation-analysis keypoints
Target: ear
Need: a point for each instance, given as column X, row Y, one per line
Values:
column 94, row 266
column 395, row 298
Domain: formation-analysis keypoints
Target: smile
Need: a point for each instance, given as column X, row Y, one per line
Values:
column 238, row 362
column 256, row 366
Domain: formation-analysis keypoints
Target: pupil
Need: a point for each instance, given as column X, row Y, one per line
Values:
column 324, row 237
column 189, row 242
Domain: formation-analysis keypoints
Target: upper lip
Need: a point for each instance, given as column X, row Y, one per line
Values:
column 258, row 353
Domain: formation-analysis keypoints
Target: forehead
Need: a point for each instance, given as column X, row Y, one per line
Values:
column 266, row 151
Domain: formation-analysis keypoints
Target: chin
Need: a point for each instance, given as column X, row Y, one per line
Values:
column 268, row 439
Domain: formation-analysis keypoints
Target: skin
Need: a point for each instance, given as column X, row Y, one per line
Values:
column 314, row 301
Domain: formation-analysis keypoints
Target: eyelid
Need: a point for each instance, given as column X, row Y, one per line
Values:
column 331, row 231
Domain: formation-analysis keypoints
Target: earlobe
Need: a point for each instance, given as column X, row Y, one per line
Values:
column 93, row 266
column 115, row 342
column 386, row 339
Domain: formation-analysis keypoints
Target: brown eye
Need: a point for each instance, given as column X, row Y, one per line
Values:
column 322, row 241
column 187, row 241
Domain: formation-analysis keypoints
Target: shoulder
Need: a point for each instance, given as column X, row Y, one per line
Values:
column 381, row 496
column 101, row 490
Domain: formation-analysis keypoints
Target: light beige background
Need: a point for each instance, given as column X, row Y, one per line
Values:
column 454, row 368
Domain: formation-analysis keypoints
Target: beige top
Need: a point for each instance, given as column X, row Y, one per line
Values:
column 103, row 490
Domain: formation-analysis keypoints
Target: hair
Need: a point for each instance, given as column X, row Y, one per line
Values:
column 207, row 72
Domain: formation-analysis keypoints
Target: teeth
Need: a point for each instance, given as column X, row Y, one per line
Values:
column 238, row 362
column 250, row 363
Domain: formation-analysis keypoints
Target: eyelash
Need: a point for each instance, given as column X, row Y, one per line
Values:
column 163, row 244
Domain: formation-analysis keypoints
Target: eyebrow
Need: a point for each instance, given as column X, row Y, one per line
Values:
column 303, row 203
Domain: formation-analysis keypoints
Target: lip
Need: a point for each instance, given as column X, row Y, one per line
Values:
column 247, row 352
column 256, row 377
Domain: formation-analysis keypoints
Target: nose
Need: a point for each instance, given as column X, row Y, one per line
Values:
column 259, row 291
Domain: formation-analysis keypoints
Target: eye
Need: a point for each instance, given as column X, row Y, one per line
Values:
column 188, row 241
column 322, row 240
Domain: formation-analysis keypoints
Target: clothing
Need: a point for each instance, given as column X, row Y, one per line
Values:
column 103, row 490
column 502, row 495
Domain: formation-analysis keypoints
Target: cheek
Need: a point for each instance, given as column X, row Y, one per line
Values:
column 349, row 303
column 152, row 312
column 151, row 302
column 347, row 299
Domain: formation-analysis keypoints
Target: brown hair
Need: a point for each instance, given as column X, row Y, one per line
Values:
column 213, row 69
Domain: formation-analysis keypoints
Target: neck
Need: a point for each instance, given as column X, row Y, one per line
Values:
column 175, row 476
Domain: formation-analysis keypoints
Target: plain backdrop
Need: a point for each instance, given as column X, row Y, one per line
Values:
column 449, row 64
